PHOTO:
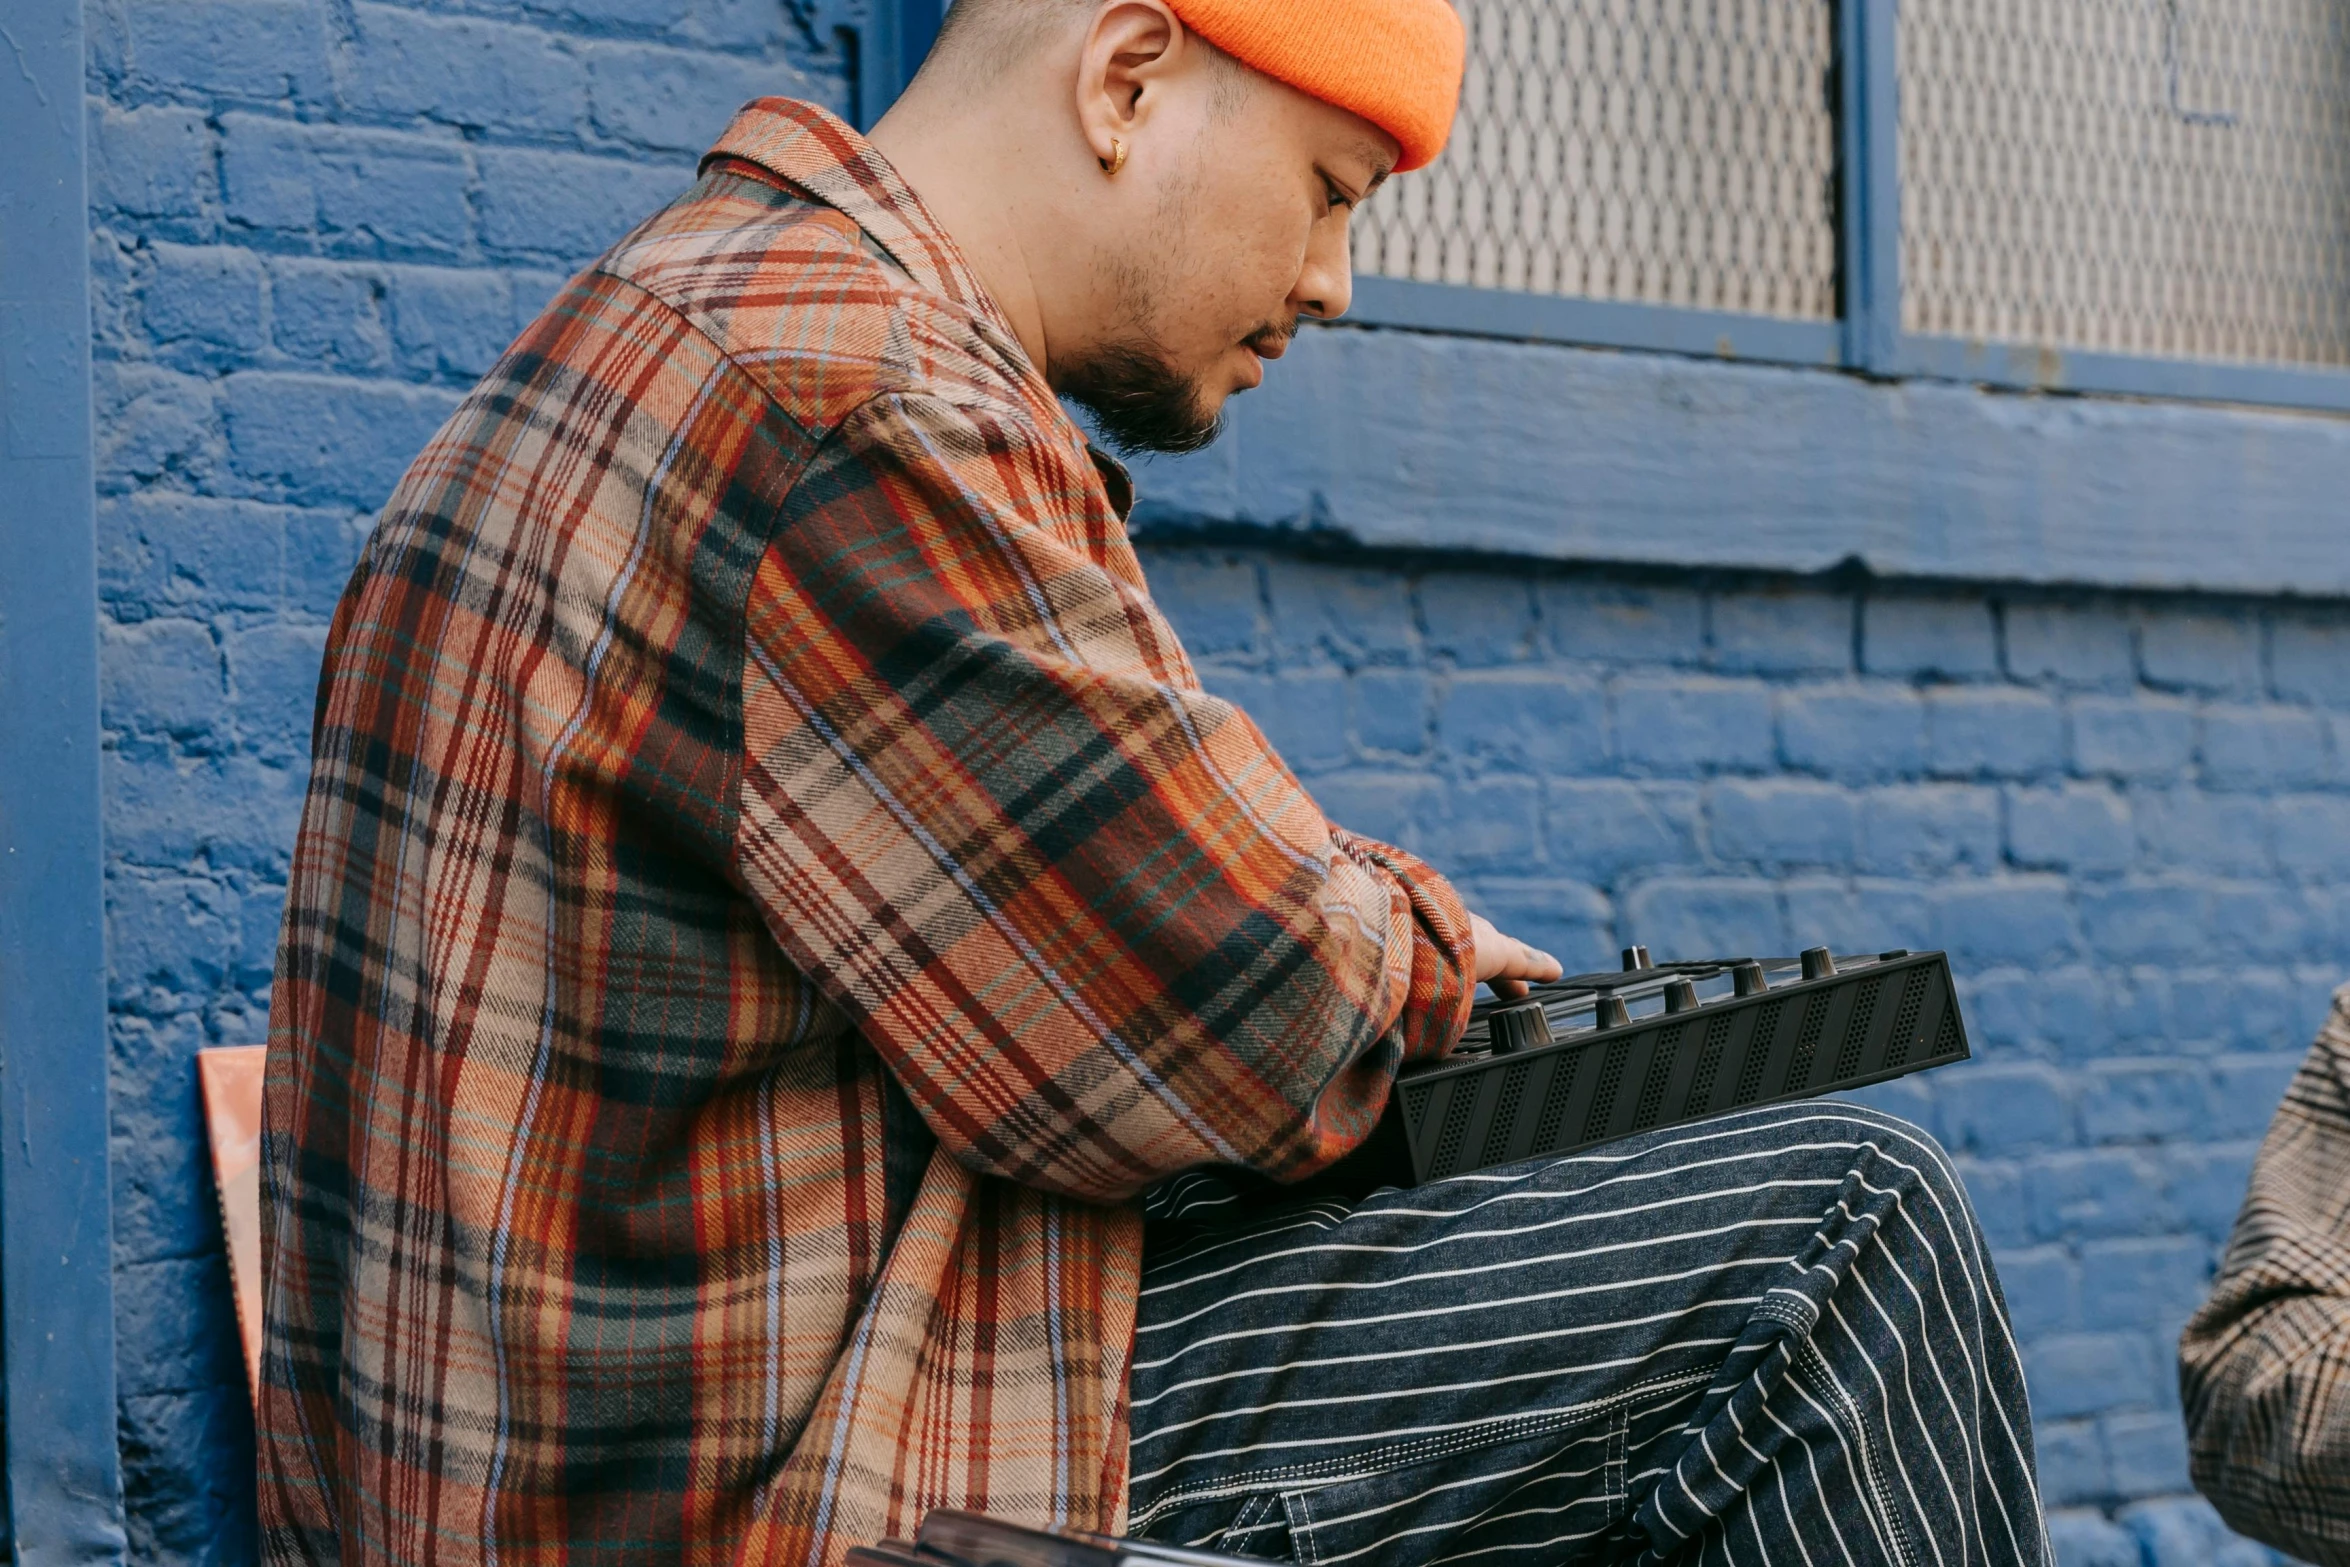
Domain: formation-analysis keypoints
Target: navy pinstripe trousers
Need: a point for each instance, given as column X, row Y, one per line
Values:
column 1773, row 1337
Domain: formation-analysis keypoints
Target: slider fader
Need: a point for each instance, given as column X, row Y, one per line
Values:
column 1574, row 1063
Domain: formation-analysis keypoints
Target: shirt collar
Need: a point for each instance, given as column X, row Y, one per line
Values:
column 816, row 151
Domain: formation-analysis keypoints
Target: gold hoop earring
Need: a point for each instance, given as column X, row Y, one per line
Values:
column 1116, row 160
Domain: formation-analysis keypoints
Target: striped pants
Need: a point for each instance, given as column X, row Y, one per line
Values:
column 1773, row 1337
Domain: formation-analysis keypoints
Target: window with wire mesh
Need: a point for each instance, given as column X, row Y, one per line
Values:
column 1671, row 152
column 2162, row 177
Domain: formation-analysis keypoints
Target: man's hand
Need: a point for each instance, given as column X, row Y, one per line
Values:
column 1506, row 963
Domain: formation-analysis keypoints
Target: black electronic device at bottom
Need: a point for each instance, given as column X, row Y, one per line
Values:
column 1595, row 1057
column 957, row 1539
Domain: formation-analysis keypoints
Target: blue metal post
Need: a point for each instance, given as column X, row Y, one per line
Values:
column 56, row 1229
column 1869, row 184
column 891, row 42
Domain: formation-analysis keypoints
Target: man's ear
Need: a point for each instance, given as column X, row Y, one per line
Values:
column 1130, row 52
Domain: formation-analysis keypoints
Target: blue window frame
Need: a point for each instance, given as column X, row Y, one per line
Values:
column 56, row 1231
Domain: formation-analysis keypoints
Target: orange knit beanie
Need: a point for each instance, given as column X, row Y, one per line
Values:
column 1397, row 63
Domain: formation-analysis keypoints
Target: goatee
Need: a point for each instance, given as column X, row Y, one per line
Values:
column 1139, row 400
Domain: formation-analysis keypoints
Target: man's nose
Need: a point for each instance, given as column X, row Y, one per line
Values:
column 1326, row 286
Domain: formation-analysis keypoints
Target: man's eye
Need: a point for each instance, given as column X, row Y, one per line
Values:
column 1334, row 196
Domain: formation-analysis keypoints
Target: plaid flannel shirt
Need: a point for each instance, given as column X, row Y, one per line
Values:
column 771, row 891
column 2264, row 1366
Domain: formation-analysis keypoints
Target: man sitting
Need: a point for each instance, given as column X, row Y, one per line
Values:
column 773, row 893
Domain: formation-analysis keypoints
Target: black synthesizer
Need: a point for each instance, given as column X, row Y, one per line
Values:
column 1595, row 1057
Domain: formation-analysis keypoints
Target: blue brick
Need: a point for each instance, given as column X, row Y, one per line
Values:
column 1571, row 922
column 210, row 295
column 174, row 1324
column 188, row 1472
column 1302, row 712
column 2246, row 1091
column 462, row 71
column 2004, row 1109
column 2148, row 1452
column 162, row 550
column 2264, row 748
column 2187, row 1532
column 2311, row 834
column 2072, row 1467
column 174, row 935
column 1492, row 824
column 151, row 424
column 2147, row 921
column 1214, row 601
column 1778, row 823
column 155, row 162
column 2079, row 645
column 1858, row 916
column 1389, row 710
column 230, row 813
column 2309, row 658
column 1622, row 624
column 328, row 315
column 1390, row 807
column 1705, row 916
column 1921, row 637
column 1692, row 725
column 2197, row 652
column 1999, row 732
column 1783, row 633
column 2146, row 738
column 1926, row 828
column 273, row 679
column 450, row 323
column 1605, row 829
column 363, row 192
column 1997, row 1190
column 2265, row 922
column 1477, row 618
column 321, row 440
column 162, row 1205
column 2190, row 830
column 2085, row 1539
column 2092, row 1194
column 2147, row 1284
column 264, row 51
column 1853, row 731
column 1350, row 614
column 2043, row 1289
column 321, row 549
column 1549, row 723
column 161, row 677
column 674, row 99
column 2018, row 919
column 2087, row 1373
column 2075, row 827
column 559, row 204
column 2204, row 1186
column 2142, row 1101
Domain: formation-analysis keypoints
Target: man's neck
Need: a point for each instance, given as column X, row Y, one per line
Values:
column 958, row 167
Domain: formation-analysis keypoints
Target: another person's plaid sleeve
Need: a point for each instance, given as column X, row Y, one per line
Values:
column 2264, row 1367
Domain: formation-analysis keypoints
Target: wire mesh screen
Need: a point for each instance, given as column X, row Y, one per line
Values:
column 1673, row 152
column 2167, row 177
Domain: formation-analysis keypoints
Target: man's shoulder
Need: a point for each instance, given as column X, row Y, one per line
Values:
column 808, row 307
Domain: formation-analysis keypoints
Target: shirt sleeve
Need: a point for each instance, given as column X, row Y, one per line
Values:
column 1078, row 905
column 2264, row 1366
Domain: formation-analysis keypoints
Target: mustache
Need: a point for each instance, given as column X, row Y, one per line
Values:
column 1272, row 339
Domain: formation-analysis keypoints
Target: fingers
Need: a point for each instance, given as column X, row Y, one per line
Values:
column 1506, row 963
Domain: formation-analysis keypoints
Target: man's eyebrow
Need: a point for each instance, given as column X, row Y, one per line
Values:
column 1374, row 158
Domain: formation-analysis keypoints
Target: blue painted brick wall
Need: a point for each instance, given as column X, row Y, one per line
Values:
column 315, row 221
